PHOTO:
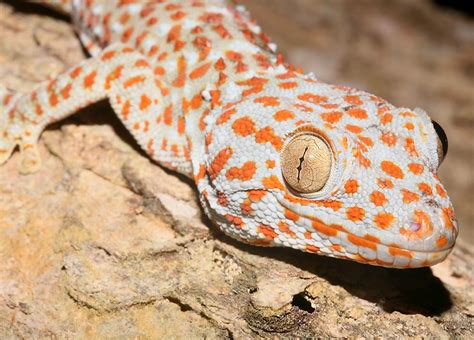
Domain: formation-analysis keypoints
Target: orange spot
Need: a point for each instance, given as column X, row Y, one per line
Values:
column 285, row 229
column 363, row 161
column 126, row 109
column 53, row 99
column 76, row 72
column 270, row 163
column 268, row 101
column 357, row 113
column 391, row 169
column 386, row 118
column 256, row 195
column 400, row 252
column 409, row 126
column 303, row 108
column 291, row 215
column 243, row 173
column 323, row 228
column 38, row 110
column 367, row 141
column 355, row 213
column 416, row 168
column 177, row 15
column 409, row 196
column 89, row 80
column 351, row 186
column 220, row 64
column 196, row 101
column 201, row 173
column 168, row 115
column 372, row 238
column 268, row 231
column 288, row 85
column 181, row 66
column 312, row 98
column 385, row 183
column 198, row 72
column 246, row 208
column 133, row 81
column 410, row 147
column 236, row 221
column 337, row 247
column 272, row 182
column 225, row 116
column 354, row 100
column 141, row 63
column 384, row 220
column 115, row 74
column 267, row 135
column 388, row 138
column 425, row 189
column 440, row 191
column 145, row 102
column 222, row 199
column 354, row 128
column 283, row 115
column 219, row 162
column 311, row 248
column 361, row 242
column 332, row 117
column 378, row 198
column 244, row 126
column 449, row 217
column 65, row 92
column 181, row 125
column 441, row 242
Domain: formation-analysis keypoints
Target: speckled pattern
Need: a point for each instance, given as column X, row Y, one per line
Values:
column 202, row 90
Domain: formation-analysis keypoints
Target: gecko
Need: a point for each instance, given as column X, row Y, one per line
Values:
column 278, row 157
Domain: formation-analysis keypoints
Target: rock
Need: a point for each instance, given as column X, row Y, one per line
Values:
column 103, row 243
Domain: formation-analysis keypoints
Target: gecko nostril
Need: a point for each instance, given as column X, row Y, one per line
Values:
column 414, row 226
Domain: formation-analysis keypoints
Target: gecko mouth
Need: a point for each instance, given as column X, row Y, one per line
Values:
column 370, row 249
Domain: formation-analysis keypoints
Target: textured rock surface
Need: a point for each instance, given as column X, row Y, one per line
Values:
column 103, row 243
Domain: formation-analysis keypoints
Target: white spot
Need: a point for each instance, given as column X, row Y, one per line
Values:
column 163, row 28
column 273, row 47
column 98, row 31
column 243, row 46
column 97, row 9
column 232, row 92
column 116, row 27
column 206, row 94
column 192, row 58
column 134, row 8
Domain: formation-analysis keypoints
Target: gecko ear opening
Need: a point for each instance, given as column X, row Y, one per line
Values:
column 306, row 162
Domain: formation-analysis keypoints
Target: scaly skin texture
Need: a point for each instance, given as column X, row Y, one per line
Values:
column 202, row 91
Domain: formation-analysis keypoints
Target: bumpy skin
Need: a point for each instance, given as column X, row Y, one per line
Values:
column 200, row 88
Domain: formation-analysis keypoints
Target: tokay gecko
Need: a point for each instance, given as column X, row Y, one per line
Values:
column 279, row 157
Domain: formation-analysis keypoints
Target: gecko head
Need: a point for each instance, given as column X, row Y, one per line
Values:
column 330, row 170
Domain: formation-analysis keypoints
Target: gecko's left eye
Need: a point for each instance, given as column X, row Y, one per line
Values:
column 306, row 163
column 442, row 141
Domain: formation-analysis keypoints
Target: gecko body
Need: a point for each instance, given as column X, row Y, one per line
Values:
column 279, row 158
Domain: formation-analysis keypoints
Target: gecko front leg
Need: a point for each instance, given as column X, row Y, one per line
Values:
column 119, row 73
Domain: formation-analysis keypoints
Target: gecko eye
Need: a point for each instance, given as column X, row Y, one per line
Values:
column 442, row 141
column 306, row 163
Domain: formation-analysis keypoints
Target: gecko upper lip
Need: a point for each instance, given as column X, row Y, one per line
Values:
column 334, row 229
